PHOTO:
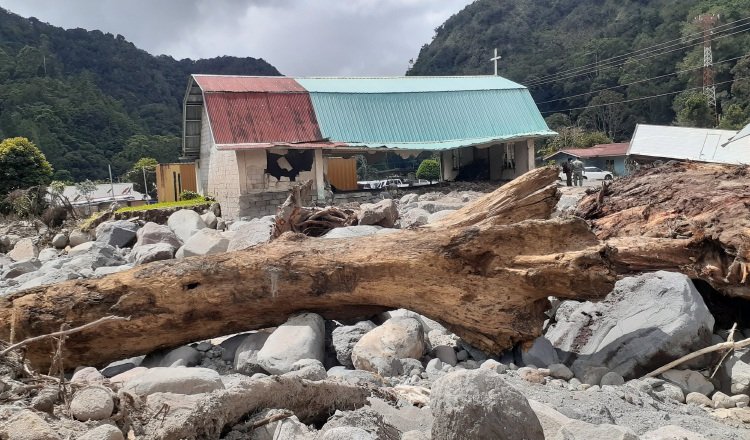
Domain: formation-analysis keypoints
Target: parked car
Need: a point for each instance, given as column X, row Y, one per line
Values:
column 592, row 173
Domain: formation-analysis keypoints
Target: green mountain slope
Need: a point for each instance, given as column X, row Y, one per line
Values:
column 542, row 41
column 89, row 99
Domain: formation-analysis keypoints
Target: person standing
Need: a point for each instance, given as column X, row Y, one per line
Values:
column 568, row 170
column 577, row 167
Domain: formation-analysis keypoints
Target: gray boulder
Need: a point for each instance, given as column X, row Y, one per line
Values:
column 736, row 371
column 469, row 404
column 384, row 213
column 205, row 242
column 24, row 249
column 249, row 234
column 103, row 432
column 578, row 430
column 59, row 241
column 185, row 223
column 151, row 252
column 109, row 270
column 178, row 380
column 154, row 233
column 540, row 354
column 689, row 381
column 348, row 433
column 357, row 377
column 48, row 254
column 439, row 215
column 92, row 403
column 353, row 231
column 380, row 349
column 185, row 356
column 78, row 237
column 27, row 425
column 246, row 354
column 209, row 218
column 409, row 198
column 20, row 268
column 414, row 217
column 645, row 321
column 300, row 337
column 672, row 432
column 308, row 369
column 119, row 233
column 344, row 339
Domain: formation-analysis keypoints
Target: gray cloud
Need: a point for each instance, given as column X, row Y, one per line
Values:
column 299, row 37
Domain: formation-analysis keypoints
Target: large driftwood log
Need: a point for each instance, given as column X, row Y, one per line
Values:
column 689, row 217
column 483, row 273
column 311, row 402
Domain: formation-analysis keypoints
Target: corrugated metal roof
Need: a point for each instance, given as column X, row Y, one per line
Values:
column 226, row 83
column 745, row 132
column 425, row 113
column 430, row 119
column 685, row 143
column 601, row 150
column 238, row 118
column 407, row 84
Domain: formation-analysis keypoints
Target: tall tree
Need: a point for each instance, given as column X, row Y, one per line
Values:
column 22, row 165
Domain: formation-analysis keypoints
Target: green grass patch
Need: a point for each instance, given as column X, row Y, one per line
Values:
column 163, row 205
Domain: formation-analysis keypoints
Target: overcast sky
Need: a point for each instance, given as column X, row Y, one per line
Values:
column 299, row 37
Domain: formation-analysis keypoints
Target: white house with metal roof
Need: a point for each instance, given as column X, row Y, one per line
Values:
column 253, row 137
column 657, row 142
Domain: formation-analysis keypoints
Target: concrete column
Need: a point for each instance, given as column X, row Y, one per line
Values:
column 319, row 165
column 532, row 154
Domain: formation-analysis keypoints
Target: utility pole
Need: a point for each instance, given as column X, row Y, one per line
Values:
column 707, row 22
column 111, row 184
column 145, row 184
column 495, row 60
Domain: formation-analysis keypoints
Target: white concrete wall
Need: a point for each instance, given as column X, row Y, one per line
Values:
column 218, row 173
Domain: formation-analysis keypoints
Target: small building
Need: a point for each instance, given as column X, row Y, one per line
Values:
column 251, row 138
column 102, row 197
column 608, row 157
column 652, row 143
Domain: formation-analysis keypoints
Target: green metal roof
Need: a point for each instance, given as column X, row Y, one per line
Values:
column 428, row 119
column 406, row 84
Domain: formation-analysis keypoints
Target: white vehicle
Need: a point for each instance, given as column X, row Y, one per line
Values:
column 592, row 173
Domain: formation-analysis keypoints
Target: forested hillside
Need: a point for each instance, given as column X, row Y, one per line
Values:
column 563, row 51
column 89, row 99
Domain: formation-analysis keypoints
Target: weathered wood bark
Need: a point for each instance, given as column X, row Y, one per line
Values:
column 687, row 217
column 486, row 276
column 311, row 402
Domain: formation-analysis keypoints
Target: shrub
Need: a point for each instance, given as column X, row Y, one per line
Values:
column 429, row 169
column 189, row 195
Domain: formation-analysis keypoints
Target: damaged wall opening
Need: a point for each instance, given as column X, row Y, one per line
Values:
column 289, row 164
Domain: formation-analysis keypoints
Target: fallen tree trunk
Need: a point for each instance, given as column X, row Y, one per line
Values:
column 682, row 216
column 486, row 279
column 311, row 402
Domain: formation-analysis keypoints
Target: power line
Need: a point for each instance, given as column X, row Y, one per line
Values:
column 622, row 62
column 642, row 98
column 681, row 40
column 640, row 81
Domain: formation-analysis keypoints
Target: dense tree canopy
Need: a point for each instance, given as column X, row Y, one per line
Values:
column 564, row 50
column 90, row 99
column 22, row 165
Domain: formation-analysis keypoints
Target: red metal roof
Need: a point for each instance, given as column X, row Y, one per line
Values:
column 252, row 118
column 290, row 145
column 220, row 83
column 601, row 150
